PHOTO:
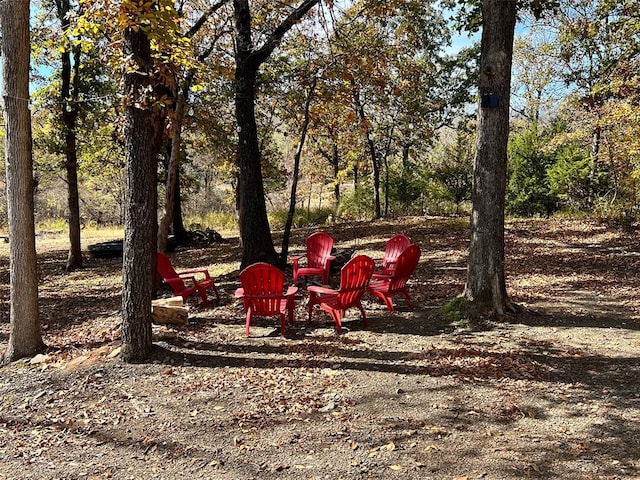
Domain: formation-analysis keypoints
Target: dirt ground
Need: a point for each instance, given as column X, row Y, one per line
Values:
column 551, row 393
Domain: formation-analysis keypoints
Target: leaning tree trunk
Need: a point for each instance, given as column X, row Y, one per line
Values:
column 140, row 203
column 25, row 337
column 485, row 288
column 296, row 172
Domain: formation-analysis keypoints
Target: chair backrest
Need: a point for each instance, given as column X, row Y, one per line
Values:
column 405, row 266
column 263, row 285
column 319, row 246
column 354, row 278
column 167, row 272
column 393, row 248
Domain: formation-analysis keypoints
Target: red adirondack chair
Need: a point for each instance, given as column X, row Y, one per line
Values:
column 384, row 287
column 318, row 256
column 392, row 250
column 262, row 294
column 186, row 282
column 354, row 277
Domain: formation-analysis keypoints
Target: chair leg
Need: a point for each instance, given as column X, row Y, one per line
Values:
column 337, row 319
column 364, row 315
column 203, row 296
column 248, row 323
column 282, row 324
column 215, row 290
column 405, row 292
column 389, row 302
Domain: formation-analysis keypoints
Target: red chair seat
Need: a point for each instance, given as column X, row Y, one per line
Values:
column 262, row 294
column 186, row 282
column 392, row 250
column 384, row 286
column 318, row 256
column 354, row 278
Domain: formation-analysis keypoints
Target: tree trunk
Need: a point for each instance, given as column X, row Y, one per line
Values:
column 485, row 288
column 255, row 234
column 375, row 165
column 139, row 255
column 336, row 172
column 172, row 170
column 68, row 97
column 25, row 336
column 387, row 150
column 179, row 231
column 296, row 171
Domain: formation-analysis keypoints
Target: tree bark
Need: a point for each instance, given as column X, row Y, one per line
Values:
column 179, row 231
column 172, row 169
column 296, row 171
column 25, row 337
column 139, row 255
column 485, row 288
column 375, row 165
column 335, row 163
column 255, row 234
column 68, row 100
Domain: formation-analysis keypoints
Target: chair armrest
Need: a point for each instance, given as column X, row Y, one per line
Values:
column 182, row 279
column 291, row 291
column 315, row 289
column 196, row 271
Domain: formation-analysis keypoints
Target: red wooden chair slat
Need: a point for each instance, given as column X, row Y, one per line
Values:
column 186, row 282
column 318, row 256
column 263, row 295
column 385, row 286
column 392, row 250
column 354, row 278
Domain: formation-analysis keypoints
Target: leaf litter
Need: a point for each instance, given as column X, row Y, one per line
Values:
column 548, row 393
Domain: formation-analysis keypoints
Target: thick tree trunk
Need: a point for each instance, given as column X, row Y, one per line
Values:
column 255, row 234
column 25, row 337
column 139, row 255
column 68, row 97
column 485, row 288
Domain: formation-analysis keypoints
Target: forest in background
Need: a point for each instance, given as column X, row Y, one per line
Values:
column 388, row 105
